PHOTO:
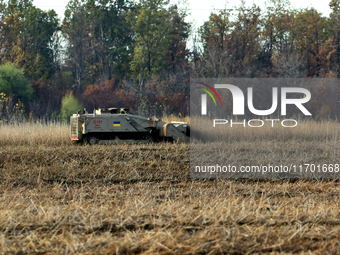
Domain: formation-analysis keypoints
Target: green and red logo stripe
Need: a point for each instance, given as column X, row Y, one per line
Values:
column 209, row 93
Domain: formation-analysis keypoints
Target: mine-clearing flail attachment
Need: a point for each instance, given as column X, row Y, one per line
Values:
column 175, row 130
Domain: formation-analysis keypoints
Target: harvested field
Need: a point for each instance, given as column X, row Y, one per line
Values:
column 58, row 198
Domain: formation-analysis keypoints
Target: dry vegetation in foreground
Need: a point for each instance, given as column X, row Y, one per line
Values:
column 325, row 131
column 57, row 198
column 32, row 134
column 309, row 142
column 53, row 133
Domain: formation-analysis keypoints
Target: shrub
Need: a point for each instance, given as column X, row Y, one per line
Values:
column 69, row 106
column 14, row 84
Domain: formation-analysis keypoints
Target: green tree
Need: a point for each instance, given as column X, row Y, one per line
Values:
column 150, row 23
column 26, row 38
column 334, row 22
column 114, row 36
column 231, row 48
column 214, row 31
column 78, row 31
column 311, row 31
column 177, row 54
column 245, row 41
column 276, row 32
column 69, row 106
column 99, row 39
column 215, row 37
column 14, row 84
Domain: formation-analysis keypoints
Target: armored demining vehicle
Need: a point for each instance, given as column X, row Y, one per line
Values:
column 107, row 125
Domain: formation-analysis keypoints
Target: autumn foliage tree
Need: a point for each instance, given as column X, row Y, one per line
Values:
column 108, row 95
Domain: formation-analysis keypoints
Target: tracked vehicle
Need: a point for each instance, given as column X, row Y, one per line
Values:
column 106, row 125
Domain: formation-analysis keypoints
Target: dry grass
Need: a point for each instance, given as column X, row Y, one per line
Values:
column 326, row 131
column 171, row 218
column 56, row 198
column 33, row 134
column 316, row 143
column 51, row 134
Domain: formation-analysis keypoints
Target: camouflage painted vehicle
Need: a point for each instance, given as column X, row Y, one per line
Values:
column 107, row 125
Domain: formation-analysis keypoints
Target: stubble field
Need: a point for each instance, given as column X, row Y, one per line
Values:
column 60, row 198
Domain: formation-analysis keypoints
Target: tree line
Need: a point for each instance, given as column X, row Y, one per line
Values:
column 142, row 55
